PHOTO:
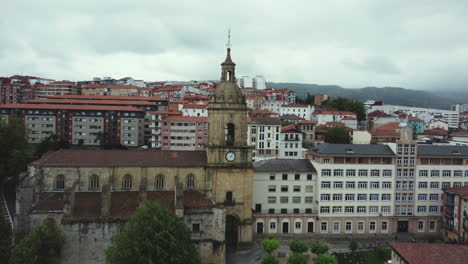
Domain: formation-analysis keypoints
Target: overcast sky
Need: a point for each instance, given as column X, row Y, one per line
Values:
column 412, row 44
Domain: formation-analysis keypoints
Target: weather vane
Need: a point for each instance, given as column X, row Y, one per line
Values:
column 228, row 44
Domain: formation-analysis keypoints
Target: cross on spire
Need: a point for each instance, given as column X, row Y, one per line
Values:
column 228, row 44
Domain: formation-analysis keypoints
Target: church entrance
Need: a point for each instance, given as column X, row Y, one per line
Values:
column 232, row 231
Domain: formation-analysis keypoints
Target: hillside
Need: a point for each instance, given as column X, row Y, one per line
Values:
column 390, row 95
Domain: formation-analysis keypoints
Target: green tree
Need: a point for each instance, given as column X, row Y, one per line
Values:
column 318, row 248
column 269, row 259
column 5, row 240
column 353, row 245
column 346, row 104
column 383, row 253
column 270, row 244
column 42, row 245
column 50, row 143
column 298, row 246
column 153, row 235
column 296, row 258
column 337, row 135
column 14, row 148
column 326, row 259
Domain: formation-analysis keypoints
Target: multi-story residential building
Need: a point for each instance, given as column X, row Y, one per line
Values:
column 303, row 111
column 257, row 82
column 272, row 105
column 114, row 90
column 307, row 128
column 285, row 196
column 455, row 214
column 436, row 123
column 195, row 110
column 263, row 133
column 355, row 187
column 290, row 146
column 169, row 92
column 184, row 132
column 416, row 124
column 324, row 116
column 426, row 114
column 81, row 124
column 130, row 81
column 16, row 93
column 460, row 108
column 320, row 98
column 57, row 88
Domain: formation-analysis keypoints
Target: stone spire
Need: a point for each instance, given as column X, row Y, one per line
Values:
column 228, row 68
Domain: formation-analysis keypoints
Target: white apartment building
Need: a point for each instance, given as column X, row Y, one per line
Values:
column 304, row 111
column 272, row 105
column 324, row 116
column 425, row 114
column 263, row 133
column 257, row 82
column 285, row 196
column 195, row 110
column 290, row 145
column 355, row 187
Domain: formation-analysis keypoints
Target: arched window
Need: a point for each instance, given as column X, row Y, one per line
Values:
column 229, row 134
column 190, row 181
column 60, row 182
column 159, row 182
column 93, row 183
column 127, row 182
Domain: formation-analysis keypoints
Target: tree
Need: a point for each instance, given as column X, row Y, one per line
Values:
column 383, row 253
column 298, row 246
column 337, row 135
column 270, row 244
column 326, row 259
column 296, row 258
column 50, row 143
column 269, row 259
column 42, row 245
column 346, row 104
column 318, row 248
column 153, row 235
column 353, row 245
column 5, row 240
column 14, row 148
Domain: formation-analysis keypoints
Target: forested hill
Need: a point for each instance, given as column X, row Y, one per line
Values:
column 390, row 95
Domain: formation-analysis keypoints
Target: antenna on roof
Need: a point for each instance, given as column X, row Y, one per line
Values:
column 228, row 44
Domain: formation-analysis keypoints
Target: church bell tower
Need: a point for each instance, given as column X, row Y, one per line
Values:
column 229, row 156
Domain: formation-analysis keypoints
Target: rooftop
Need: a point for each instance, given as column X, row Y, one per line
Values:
column 283, row 165
column 437, row 151
column 122, row 158
column 460, row 191
column 330, row 112
column 91, row 102
column 425, row 253
column 105, row 97
column 186, row 118
column 265, row 121
column 71, row 107
column 328, row 149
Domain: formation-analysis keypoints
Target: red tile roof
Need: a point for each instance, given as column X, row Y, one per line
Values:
column 62, row 83
column 166, row 112
column 186, row 118
column 460, row 134
column 291, row 117
column 307, row 122
column 460, row 191
column 435, row 132
column 349, row 118
column 72, row 107
column 415, row 119
column 392, row 126
column 425, row 253
column 328, row 112
column 91, row 102
column 112, row 86
column 196, row 106
column 122, row 158
column 105, row 97
column 290, row 129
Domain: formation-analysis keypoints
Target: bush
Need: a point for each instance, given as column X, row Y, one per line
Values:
column 42, row 246
column 353, row 245
column 270, row 244
column 269, row 259
column 383, row 253
column 326, row 259
column 296, row 258
column 5, row 240
column 318, row 248
column 298, row 246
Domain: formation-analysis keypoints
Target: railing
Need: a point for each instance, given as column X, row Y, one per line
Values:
column 4, row 210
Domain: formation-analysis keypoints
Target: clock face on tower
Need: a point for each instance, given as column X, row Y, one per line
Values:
column 230, row 156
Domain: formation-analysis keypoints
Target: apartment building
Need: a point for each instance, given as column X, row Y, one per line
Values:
column 81, row 124
column 257, row 82
column 57, row 88
column 155, row 119
column 263, row 133
column 285, row 196
column 114, row 90
column 455, row 214
column 303, row 111
column 16, row 93
column 183, row 132
column 324, row 116
column 290, row 146
column 355, row 186
column 195, row 110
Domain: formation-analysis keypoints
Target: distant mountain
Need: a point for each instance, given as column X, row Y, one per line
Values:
column 390, row 95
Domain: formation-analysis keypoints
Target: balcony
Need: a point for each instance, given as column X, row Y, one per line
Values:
column 292, row 139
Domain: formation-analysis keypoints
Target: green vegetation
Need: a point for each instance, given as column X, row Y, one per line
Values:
column 14, row 149
column 269, row 259
column 42, row 246
column 353, row 245
column 377, row 256
column 5, row 241
column 298, row 246
column 346, row 104
column 318, row 248
column 270, row 244
column 153, row 235
column 297, row 258
column 337, row 135
column 326, row 259
column 50, row 143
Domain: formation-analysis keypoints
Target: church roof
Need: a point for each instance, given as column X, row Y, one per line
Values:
column 122, row 158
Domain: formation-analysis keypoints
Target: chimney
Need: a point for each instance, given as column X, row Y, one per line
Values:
column 179, row 197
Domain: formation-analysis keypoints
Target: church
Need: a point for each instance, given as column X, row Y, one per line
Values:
column 91, row 193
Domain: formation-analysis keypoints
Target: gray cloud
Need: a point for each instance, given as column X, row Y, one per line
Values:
column 415, row 44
